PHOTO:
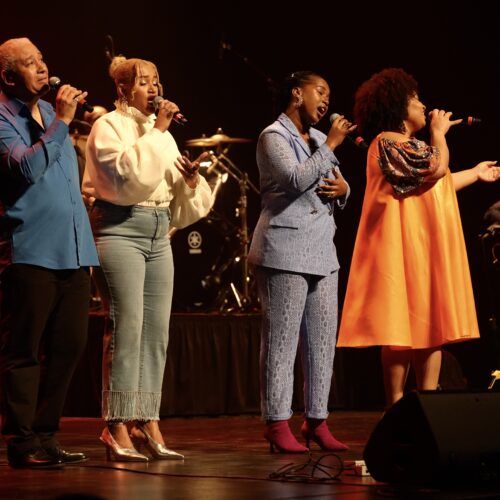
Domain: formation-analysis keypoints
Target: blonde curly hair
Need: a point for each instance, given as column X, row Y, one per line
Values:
column 125, row 73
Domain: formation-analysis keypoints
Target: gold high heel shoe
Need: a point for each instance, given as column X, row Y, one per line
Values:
column 157, row 450
column 119, row 453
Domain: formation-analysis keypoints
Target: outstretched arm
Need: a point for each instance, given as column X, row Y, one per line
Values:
column 486, row 171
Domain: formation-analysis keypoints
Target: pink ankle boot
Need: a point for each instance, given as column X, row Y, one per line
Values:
column 316, row 430
column 279, row 435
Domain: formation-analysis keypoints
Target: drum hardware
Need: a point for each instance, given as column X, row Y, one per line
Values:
column 495, row 374
column 221, row 179
column 209, row 167
column 215, row 140
column 490, row 248
column 243, row 298
column 229, row 298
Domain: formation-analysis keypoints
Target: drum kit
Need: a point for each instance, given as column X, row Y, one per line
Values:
column 210, row 256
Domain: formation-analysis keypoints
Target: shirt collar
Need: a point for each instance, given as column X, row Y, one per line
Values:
column 18, row 108
column 137, row 115
column 13, row 104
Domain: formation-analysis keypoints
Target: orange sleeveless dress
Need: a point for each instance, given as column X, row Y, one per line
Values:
column 409, row 282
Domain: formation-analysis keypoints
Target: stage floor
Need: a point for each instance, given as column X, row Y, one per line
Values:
column 225, row 458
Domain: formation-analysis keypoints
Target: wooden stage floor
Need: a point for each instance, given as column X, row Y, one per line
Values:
column 225, row 458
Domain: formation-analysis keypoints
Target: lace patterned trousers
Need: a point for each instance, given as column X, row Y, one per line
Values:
column 298, row 311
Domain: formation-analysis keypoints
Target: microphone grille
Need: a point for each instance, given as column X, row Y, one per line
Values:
column 54, row 82
column 157, row 100
column 333, row 117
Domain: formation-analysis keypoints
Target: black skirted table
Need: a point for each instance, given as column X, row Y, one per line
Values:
column 213, row 369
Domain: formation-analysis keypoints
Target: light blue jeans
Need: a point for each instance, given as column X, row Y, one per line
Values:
column 299, row 311
column 136, row 260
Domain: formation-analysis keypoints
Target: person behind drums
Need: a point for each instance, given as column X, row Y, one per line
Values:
column 141, row 185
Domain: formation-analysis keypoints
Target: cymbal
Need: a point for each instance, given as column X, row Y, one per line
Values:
column 215, row 140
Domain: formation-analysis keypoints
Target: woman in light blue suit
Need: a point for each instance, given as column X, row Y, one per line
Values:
column 295, row 259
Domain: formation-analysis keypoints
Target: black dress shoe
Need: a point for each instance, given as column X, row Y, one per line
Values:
column 33, row 459
column 65, row 456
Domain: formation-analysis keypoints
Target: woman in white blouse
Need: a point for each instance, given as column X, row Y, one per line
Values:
column 141, row 185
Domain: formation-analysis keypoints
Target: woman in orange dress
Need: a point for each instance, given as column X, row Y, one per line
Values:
column 409, row 286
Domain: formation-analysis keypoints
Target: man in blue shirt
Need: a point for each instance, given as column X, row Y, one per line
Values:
column 46, row 249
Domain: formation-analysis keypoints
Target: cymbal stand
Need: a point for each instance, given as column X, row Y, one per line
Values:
column 272, row 85
column 490, row 247
column 243, row 298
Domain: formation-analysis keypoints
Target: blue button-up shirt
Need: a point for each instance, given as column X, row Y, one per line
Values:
column 43, row 220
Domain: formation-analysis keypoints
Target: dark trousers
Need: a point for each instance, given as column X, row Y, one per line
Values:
column 44, row 317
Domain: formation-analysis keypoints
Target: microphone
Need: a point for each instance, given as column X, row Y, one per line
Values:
column 469, row 120
column 466, row 120
column 178, row 117
column 55, row 83
column 353, row 136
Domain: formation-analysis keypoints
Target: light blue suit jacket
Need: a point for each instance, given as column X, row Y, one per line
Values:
column 296, row 227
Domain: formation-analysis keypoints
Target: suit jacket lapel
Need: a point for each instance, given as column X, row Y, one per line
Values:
column 290, row 126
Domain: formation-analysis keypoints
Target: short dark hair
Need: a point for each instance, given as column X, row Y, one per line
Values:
column 381, row 102
column 295, row 79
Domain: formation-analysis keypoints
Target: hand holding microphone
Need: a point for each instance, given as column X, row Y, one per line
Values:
column 171, row 113
column 67, row 99
column 349, row 129
column 441, row 121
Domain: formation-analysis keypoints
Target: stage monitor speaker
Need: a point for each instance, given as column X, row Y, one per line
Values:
column 436, row 438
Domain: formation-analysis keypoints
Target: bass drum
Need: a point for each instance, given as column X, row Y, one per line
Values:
column 200, row 251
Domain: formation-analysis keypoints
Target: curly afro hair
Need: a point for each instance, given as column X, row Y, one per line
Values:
column 381, row 102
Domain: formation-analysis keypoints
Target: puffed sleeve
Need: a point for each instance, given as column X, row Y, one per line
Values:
column 188, row 205
column 405, row 164
column 125, row 167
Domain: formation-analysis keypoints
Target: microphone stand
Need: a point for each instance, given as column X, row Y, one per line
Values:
column 271, row 84
column 490, row 244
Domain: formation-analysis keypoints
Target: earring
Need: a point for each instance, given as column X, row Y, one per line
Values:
column 123, row 102
column 299, row 101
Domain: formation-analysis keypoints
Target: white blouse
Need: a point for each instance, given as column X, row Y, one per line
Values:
column 129, row 162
